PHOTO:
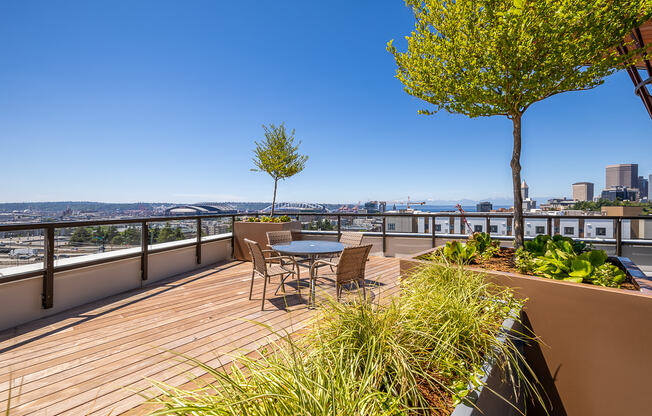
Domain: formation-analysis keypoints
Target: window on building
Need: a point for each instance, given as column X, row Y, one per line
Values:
column 437, row 227
column 493, row 229
column 569, row 230
column 477, row 228
column 391, row 227
column 540, row 229
column 600, row 231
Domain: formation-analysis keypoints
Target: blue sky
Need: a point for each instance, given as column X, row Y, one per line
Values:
column 162, row 100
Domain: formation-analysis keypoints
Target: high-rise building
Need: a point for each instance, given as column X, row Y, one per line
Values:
column 649, row 186
column 583, row 191
column 619, row 193
column 525, row 190
column 528, row 204
column 484, row 207
column 642, row 187
column 624, row 175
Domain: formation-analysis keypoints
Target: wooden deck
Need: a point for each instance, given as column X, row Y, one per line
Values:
column 94, row 359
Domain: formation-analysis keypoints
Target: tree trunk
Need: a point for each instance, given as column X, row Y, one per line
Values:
column 274, row 199
column 517, row 226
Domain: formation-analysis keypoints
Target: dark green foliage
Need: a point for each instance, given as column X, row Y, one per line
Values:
column 81, row 235
column 597, row 205
column 167, row 233
column 323, row 224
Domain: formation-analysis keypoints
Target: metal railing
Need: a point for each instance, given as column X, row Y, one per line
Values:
column 49, row 268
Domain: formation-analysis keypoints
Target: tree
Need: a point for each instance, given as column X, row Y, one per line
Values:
column 278, row 156
column 81, row 235
column 498, row 57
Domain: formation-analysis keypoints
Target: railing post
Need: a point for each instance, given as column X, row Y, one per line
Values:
column 619, row 237
column 232, row 235
column 144, row 247
column 433, row 221
column 198, row 249
column 487, row 225
column 48, row 267
column 549, row 225
column 384, row 232
column 339, row 227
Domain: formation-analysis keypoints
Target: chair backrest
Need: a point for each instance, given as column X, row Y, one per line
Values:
column 279, row 237
column 351, row 264
column 351, row 238
column 257, row 256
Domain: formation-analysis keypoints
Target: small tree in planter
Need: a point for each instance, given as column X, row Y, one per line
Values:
column 278, row 155
column 498, row 57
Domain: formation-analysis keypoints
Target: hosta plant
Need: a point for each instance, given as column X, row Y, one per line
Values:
column 561, row 258
column 485, row 246
column 461, row 253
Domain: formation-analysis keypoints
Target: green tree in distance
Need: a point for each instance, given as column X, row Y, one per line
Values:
column 278, row 156
column 498, row 57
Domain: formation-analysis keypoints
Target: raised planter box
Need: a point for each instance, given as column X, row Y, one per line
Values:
column 256, row 231
column 625, row 264
column 579, row 325
column 496, row 396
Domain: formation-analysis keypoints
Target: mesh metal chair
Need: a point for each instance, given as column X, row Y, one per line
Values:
column 349, row 268
column 268, row 267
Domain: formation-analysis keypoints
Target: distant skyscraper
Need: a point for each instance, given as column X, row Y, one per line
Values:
column 528, row 204
column 625, row 175
column 525, row 190
column 649, row 186
column 583, row 191
column 484, row 207
column 642, row 187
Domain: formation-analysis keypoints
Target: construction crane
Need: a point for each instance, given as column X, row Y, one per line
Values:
column 464, row 221
column 409, row 202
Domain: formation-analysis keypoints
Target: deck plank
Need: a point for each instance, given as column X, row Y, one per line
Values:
column 98, row 358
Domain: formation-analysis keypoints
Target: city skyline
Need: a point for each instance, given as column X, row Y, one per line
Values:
column 99, row 106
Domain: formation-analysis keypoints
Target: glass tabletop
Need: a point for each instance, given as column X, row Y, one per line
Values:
column 309, row 247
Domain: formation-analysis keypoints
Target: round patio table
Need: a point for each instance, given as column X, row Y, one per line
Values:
column 310, row 249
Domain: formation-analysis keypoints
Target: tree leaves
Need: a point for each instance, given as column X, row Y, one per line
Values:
column 278, row 154
column 498, row 57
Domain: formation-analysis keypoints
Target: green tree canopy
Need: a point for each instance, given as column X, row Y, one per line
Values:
column 278, row 155
column 498, row 57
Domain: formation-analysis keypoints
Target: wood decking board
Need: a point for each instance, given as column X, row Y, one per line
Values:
column 96, row 358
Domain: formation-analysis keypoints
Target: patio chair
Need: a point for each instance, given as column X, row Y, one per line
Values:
column 278, row 237
column 349, row 268
column 268, row 267
column 349, row 239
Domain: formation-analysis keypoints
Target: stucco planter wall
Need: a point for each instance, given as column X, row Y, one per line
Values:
column 257, row 231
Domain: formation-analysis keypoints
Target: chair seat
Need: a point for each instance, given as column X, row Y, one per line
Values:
column 275, row 269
